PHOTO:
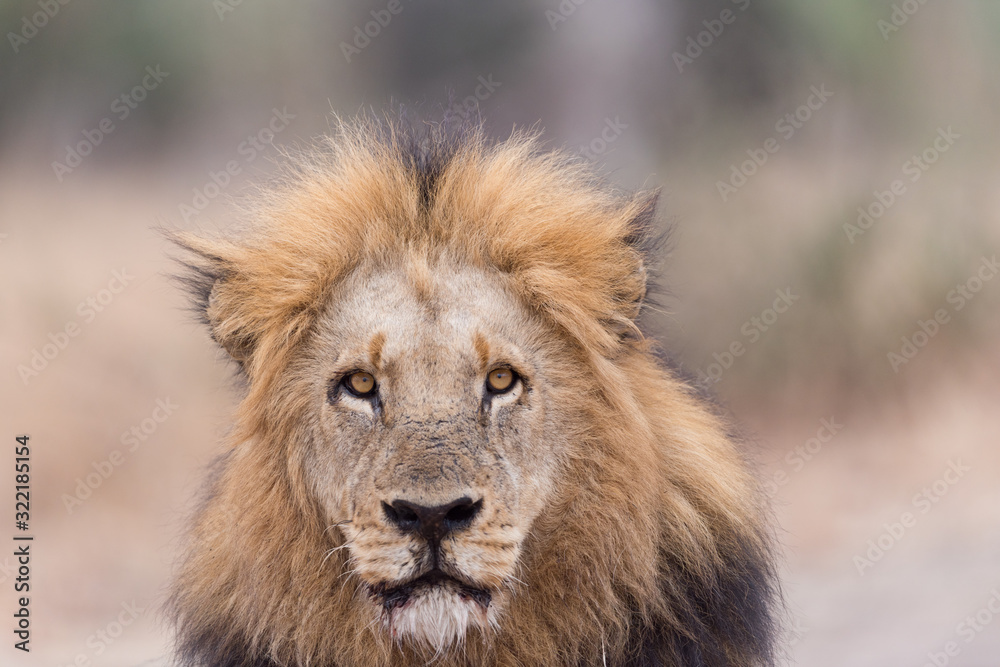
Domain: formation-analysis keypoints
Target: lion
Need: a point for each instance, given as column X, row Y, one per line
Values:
column 456, row 445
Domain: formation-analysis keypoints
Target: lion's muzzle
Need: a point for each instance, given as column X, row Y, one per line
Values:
column 438, row 602
column 431, row 524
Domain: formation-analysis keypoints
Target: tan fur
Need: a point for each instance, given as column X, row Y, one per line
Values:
column 612, row 494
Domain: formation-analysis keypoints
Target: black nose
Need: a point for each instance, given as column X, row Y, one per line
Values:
column 432, row 523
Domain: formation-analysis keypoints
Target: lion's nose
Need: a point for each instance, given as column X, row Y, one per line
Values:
column 432, row 523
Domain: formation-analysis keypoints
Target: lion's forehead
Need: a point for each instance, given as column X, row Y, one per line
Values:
column 442, row 316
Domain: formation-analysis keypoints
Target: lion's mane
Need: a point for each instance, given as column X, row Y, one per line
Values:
column 656, row 551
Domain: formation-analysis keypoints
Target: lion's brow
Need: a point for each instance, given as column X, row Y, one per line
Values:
column 375, row 346
column 482, row 348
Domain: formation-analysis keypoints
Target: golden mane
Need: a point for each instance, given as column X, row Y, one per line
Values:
column 656, row 551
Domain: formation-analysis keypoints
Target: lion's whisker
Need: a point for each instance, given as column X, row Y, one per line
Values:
column 337, row 525
column 511, row 577
column 330, row 552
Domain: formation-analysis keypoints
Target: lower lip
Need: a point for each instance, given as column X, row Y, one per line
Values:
column 398, row 597
column 479, row 596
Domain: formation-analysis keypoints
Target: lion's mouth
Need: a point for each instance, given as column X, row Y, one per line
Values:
column 395, row 596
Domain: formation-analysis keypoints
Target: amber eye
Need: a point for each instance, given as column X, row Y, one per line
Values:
column 360, row 384
column 500, row 380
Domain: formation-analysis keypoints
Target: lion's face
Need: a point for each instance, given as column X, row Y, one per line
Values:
column 456, row 445
column 437, row 443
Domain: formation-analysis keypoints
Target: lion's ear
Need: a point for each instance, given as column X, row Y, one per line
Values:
column 646, row 241
column 209, row 277
column 642, row 234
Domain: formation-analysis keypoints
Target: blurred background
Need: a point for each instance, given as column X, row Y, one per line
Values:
column 830, row 170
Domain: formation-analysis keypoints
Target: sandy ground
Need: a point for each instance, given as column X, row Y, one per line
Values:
column 894, row 602
column 102, row 555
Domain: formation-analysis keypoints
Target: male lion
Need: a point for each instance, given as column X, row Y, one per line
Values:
column 456, row 447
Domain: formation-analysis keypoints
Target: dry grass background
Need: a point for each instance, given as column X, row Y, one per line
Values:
column 60, row 243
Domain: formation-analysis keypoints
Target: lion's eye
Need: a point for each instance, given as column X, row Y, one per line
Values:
column 500, row 380
column 361, row 384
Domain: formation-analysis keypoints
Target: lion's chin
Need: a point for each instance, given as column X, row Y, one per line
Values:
column 435, row 611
